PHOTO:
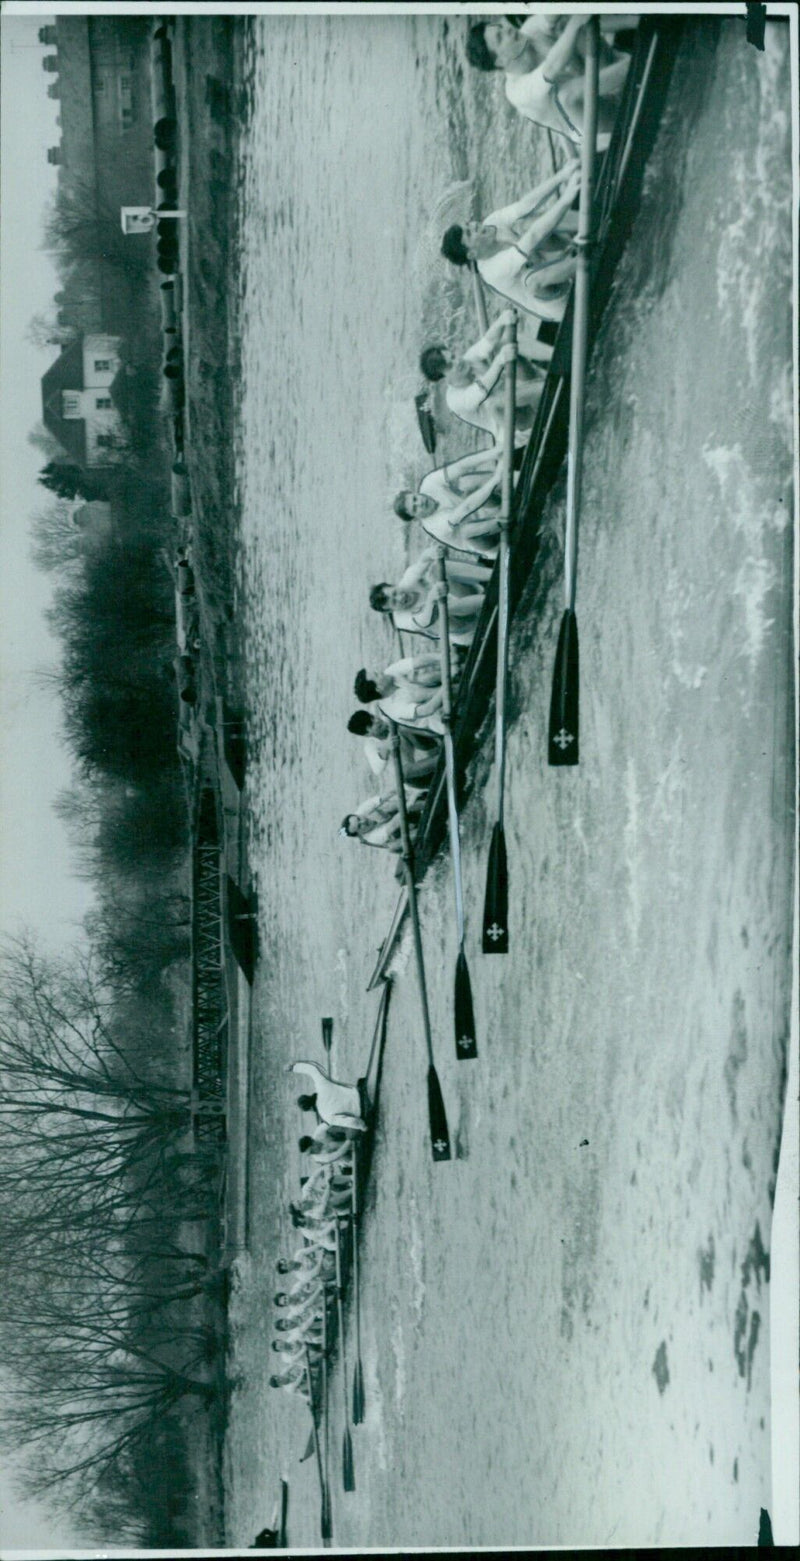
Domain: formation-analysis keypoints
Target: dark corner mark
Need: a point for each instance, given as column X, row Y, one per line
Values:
column 756, row 23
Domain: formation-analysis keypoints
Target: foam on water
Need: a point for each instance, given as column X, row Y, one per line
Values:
column 416, row 1257
column 398, row 1345
column 756, row 575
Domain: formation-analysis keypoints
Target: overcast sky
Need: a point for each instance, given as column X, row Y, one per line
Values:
column 36, row 885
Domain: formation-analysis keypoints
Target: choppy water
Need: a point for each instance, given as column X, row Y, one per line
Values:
column 566, row 1328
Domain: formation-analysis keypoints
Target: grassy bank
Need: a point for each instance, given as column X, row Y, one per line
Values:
column 210, row 112
column 210, row 107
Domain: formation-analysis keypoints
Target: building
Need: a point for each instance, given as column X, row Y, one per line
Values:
column 99, row 69
column 77, row 405
column 102, row 66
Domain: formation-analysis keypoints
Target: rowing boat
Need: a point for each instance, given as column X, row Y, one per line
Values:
column 364, row 1147
column 617, row 198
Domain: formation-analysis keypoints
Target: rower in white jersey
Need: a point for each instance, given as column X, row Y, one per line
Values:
column 524, row 251
column 549, row 90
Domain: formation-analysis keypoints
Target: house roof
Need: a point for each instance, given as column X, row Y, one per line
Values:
column 65, row 374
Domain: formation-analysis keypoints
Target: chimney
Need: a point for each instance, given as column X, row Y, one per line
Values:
column 50, row 63
column 47, row 35
column 54, row 90
column 54, row 154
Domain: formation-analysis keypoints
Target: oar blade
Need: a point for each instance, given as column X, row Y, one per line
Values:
column 466, row 1042
column 562, row 747
column 348, row 1471
column 358, row 1394
column 440, row 1133
column 327, row 1035
column 495, row 906
column 310, row 1445
column 425, row 419
column 325, row 1523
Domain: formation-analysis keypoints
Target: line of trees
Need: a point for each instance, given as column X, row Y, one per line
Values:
column 99, row 1328
column 112, row 1325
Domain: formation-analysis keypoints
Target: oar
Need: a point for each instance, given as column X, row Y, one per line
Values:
column 495, row 906
column 480, row 301
column 325, row 1525
column 358, row 1370
column 325, row 1409
column 440, row 1136
column 562, row 747
column 284, row 1515
column 427, row 426
column 348, row 1475
column 466, row 1043
column 327, row 1041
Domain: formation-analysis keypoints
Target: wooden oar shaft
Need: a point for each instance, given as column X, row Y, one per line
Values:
column 408, row 861
column 317, row 1449
column 480, row 301
column 580, row 322
column 340, row 1309
column 449, row 752
column 324, row 1373
column 507, row 499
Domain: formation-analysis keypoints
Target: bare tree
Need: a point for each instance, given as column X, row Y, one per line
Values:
column 80, row 226
column 56, row 541
column 81, row 1125
column 45, row 330
column 41, row 439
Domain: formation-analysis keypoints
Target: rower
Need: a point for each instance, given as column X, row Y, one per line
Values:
column 303, row 1261
column 300, row 1328
column 337, row 1104
column 550, row 91
column 294, row 1380
column 413, row 601
column 419, row 755
column 404, row 699
column 474, row 393
column 324, row 1189
column 416, row 676
column 297, row 1295
column 531, row 265
column 376, row 822
column 333, row 1192
column 459, row 489
column 328, row 1151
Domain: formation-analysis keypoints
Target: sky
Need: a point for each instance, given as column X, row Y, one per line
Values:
column 37, row 887
column 36, row 884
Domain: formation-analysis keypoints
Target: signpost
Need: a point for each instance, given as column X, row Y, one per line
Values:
column 142, row 219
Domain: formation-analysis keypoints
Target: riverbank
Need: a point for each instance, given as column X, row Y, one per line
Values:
column 211, row 110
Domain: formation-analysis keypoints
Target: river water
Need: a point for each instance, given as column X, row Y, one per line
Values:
column 566, row 1328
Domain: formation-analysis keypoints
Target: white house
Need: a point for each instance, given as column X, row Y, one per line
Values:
column 77, row 405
